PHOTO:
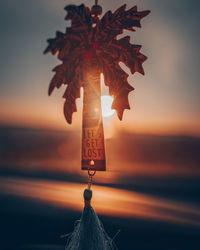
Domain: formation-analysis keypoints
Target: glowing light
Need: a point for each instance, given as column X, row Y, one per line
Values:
column 96, row 110
column 106, row 103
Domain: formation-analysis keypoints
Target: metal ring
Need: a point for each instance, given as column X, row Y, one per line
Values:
column 91, row 174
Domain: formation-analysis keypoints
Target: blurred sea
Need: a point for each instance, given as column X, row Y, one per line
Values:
column 150, row 192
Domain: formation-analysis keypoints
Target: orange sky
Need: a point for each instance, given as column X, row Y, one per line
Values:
column 140, row 119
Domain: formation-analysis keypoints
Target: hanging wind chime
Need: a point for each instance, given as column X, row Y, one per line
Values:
column 87, row 48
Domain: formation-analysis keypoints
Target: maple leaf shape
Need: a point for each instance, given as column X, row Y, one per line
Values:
column 91, row 38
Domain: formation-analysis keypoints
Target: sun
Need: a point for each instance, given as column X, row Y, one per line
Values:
column 106, row 103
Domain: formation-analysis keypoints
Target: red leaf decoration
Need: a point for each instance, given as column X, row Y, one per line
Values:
column 89, row 37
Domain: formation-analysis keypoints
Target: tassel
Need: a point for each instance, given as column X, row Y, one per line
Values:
column 89, row 233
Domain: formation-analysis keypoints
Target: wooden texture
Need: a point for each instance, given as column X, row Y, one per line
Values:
column 93, row 151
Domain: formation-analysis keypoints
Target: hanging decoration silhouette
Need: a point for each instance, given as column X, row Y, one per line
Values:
column 89, row 47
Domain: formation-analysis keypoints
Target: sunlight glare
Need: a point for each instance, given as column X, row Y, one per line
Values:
column 106, row 103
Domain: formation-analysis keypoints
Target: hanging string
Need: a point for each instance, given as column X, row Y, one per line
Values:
column 96, row 2
column 90, row 175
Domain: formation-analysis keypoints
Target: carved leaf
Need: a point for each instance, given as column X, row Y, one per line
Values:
column 113, row 23
column 82, row 42
column 116, row 80
column 71, row 94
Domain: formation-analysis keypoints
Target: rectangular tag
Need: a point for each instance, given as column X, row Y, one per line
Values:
column 93, row 150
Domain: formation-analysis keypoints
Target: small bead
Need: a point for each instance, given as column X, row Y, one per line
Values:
column 87, row 194
column 96, row 10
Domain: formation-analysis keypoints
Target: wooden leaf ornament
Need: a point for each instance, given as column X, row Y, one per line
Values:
column 88, row 48
column 91, row 38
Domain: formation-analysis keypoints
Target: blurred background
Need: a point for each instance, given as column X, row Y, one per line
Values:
column 151, row 188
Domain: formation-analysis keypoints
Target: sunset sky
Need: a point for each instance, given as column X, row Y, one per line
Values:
column 165, row 100
column 151, row 187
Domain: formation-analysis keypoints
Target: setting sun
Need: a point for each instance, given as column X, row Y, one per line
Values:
column 106, row 103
